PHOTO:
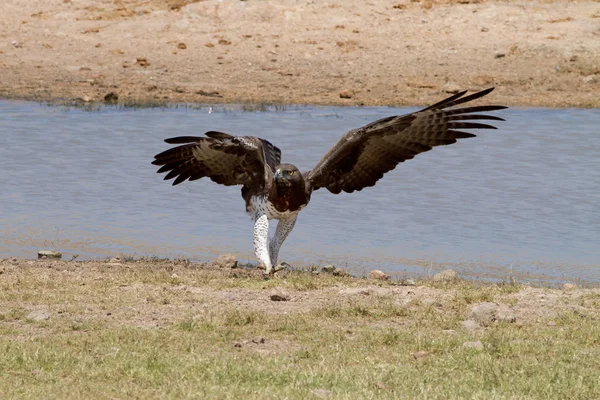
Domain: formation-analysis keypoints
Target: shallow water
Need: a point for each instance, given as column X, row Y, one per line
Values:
column 521, row 200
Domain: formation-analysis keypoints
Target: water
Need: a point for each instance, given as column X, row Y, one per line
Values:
column 522, row 200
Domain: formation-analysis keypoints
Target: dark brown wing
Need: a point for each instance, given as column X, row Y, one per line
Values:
column 361, row 157
column 226, row 159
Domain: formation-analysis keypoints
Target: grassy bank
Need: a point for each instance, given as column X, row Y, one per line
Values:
column 172, row 330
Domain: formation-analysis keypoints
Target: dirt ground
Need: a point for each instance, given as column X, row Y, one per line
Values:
column 223, row 287
column 402, row 52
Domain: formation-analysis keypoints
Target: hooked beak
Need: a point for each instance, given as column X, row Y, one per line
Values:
column 278, row 173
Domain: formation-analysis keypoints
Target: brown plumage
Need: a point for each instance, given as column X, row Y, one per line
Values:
column 359, row 159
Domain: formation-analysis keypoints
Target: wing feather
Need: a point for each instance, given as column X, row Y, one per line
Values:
column 362, row 156
column 225, row 159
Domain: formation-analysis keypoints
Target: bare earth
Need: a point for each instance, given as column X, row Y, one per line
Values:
column 373, row 53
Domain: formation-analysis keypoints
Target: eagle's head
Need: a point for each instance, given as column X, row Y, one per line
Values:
column 287, row 176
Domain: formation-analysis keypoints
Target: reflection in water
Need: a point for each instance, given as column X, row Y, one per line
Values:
column 522, row 198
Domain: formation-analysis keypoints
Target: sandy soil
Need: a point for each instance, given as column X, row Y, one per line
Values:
column 351, row 52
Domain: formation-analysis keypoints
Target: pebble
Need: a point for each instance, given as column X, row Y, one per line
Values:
column 483, row 313
column 378, row 275
column 340, row 272
column 486, row 313
column 142, row 61
column 346, row 94
column 111, row 97
column 328, row 269
column 408, row 282
column 452, row 88
column 209, row 93
column 226, row 261
column 473, row 345
column 49, row 254
column 259, row 340
column 182, row 46
column 499, row 55
column 590, row 79
column 280, row 295
column 420, row 354
column 445, row 276
column 39, row 315
column 357, row 291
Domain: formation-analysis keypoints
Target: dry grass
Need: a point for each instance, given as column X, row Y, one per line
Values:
column 169, row 329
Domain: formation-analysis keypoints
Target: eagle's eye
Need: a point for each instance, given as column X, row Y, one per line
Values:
column 290, row 172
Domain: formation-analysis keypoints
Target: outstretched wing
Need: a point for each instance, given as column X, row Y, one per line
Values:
column 361, row 157
column 225, row 159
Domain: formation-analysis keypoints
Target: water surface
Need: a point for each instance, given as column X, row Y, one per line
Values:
column 521, row 200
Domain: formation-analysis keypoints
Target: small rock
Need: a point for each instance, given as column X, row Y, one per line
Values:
column 85, row 99
column 505, row 314
column 420, row 354
column 551, row 323
column 224, row 42
column 115, row 260
column 340, row 272
column 473, row 345
column 356, row 291
column 378, row 275
column 470, row 325
column 111, row 97
column 181, row 46
column 174, row 276
column 484, row 313
column 590, row 79
column 569, row 286
column 499, row 55
column 484, row 29
column 36, row 372
column 179, row 89
column 39, row 315
column 258, row 340
column 142, row 62
column 209, row 45
column 328, row 269
column 280, row 295
column 211, row 93
column 49, row 254
column 346, row 94
column 451, row 87
column 322, row 393
column 445, row 276
column 16, row 44
column 408, row 282
column 226, row 261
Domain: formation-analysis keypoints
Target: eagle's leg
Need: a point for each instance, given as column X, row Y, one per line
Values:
column 284, row 227
column 261, row 240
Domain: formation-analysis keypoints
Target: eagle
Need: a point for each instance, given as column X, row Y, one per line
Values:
column 361, row 157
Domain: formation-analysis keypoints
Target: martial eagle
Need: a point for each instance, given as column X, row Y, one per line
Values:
column 359, row 159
